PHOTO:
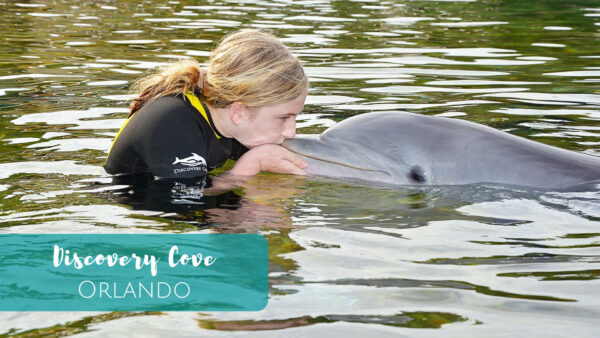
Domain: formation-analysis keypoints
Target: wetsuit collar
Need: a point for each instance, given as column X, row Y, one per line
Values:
column 195, row 102
column 210, row 121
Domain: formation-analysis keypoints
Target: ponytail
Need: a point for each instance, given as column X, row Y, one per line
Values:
column 176, row 78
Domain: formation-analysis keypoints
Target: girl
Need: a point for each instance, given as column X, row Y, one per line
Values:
column 187, row 121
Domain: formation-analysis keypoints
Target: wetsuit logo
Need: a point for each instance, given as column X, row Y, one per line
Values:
column 196, row 162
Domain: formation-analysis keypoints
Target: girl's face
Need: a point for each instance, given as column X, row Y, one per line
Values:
column 269, row 124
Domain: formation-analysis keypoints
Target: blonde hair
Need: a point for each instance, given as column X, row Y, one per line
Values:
column 248, row 66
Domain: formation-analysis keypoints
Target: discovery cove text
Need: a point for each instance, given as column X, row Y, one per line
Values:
column 116, row 290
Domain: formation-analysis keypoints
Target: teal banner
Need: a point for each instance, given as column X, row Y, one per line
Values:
column 131, row 272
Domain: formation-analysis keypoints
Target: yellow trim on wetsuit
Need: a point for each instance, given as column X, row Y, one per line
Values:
column 196, row 103
column 117, row 136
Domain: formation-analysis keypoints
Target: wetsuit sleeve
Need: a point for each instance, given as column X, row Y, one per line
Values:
column 171, row 141
column 237, row 150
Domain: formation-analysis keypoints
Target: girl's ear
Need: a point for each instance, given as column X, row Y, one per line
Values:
column 237, row 112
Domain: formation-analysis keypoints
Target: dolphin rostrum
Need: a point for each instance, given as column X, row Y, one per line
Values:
column 403, row 148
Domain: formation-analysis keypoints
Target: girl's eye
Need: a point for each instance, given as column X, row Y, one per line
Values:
column 283, row 118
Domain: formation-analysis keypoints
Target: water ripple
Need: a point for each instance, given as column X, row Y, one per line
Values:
column 346, row 259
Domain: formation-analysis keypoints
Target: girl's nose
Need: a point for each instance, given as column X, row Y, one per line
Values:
column 290, row 129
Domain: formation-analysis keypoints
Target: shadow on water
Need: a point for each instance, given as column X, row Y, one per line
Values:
column 314, row 201
column 257, row 204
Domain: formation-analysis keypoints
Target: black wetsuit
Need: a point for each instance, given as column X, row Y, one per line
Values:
column 171, row 137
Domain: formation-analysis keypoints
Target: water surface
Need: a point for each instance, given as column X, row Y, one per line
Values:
column 346, row 258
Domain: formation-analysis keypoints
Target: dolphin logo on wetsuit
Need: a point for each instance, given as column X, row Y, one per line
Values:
column 191, row 161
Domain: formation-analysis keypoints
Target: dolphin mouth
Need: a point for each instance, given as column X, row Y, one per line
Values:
column 311, row 148
column 338, row 163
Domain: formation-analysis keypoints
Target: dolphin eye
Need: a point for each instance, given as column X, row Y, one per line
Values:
column 417, row 174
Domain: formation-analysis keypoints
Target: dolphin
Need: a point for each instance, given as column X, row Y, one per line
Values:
column 411, row 149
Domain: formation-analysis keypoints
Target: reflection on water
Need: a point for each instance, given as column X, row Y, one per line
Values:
column 345, row 257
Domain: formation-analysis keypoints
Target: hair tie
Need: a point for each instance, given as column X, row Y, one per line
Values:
column 201, row 73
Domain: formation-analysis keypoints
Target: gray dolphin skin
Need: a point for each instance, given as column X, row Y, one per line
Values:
column 406, row 149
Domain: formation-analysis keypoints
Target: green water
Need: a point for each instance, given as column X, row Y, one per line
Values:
column 345, row 258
